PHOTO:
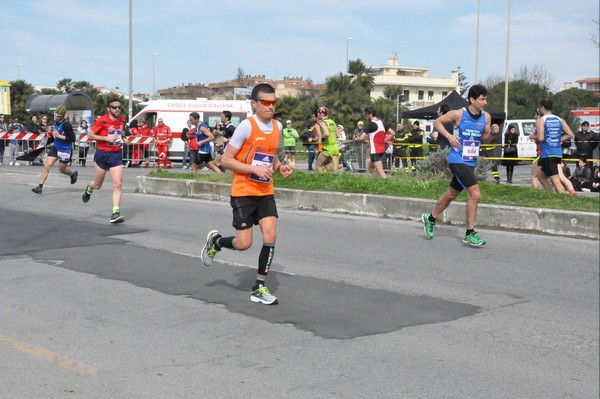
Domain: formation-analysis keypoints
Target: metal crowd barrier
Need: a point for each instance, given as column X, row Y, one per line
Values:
column 140, row 151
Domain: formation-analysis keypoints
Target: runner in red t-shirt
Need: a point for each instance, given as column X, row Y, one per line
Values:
column 107, row 131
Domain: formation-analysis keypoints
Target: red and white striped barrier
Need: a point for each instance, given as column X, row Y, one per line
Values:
column 140, row 140
column 82, row 138
column 21, row 136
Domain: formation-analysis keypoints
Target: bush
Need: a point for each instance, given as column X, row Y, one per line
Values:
column 436, row 166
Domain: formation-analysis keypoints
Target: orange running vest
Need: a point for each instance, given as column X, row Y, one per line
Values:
column 260, row 148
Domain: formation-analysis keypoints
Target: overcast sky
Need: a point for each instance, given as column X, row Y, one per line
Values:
column 201, row 41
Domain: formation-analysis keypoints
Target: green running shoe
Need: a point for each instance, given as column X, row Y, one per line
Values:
column 427, row 225
column 209, row 251
column 473, row 239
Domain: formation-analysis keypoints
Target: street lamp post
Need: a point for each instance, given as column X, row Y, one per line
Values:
column 507, row 61
column 477, row 43
column 130, row 110
column 19, row 71
column 154, row 74
column 347, row 48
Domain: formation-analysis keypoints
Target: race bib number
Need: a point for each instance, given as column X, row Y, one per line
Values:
column 261, row 160
column 118, row 141
column 63, row 155
column 470, row 150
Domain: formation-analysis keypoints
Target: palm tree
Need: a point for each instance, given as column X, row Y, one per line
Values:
column 345, row 98
column 19, row 93
column 363, row 76
column 87, row 88
column 65, row 85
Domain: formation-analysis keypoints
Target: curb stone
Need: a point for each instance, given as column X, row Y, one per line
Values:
column 546, row 221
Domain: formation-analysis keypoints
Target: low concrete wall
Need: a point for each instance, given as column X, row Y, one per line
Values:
column 557, row 222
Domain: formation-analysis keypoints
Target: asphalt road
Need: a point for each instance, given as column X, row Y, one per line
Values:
column 369, row 308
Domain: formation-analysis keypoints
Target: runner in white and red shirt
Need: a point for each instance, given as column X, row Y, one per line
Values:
column 379, row 135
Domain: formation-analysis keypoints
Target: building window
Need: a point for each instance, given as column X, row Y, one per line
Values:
column 430, row 95
column 406, row 95
column 444, row 94
column 421, row 94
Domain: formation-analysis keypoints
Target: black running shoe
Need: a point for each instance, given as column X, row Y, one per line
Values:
column 117, row 218
column 37, row 190
column 74, row 177
column 85, row 197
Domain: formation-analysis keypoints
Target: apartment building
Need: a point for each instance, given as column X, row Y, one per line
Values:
column 419, row 90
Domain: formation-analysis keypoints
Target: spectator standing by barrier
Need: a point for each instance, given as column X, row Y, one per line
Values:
column 360, row 128
column 252, row 194
column 218, row 144
column 31, row 127
column 493, row 150
column 187, row 156
column 443, row 141
column 309, row 139
column 358, row 145
column 14, row 145
column 290, row 135
column 400, row 149
column 586, row 142
column 108, row 131
column 228, row 128
column 432, row 140
column 191, row 135
column 84, row 146
column 162, row 138
column 511, row 152
column 137, row 151
column 61, row 149
column 472, row 127
column 2, row 141
column 415, row 139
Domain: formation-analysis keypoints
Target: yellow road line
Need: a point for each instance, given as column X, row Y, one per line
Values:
column 52, row 357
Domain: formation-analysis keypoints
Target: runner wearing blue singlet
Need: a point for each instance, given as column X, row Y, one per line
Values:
column 552, row 131
column 471, row 126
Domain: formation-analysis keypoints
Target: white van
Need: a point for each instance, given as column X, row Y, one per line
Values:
column 175, row 114
column 525, row 146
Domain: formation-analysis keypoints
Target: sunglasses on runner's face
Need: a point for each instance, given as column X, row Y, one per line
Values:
column 115, row 107
column 266, row 103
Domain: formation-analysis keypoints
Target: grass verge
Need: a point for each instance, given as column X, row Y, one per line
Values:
column 411, row 187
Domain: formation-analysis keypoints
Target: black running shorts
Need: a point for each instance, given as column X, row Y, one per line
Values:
column 247, row 211
column 463, row 176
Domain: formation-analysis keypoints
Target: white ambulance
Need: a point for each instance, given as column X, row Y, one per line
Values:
column 175, row 114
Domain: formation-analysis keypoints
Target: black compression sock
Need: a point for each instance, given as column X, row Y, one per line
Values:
column 224, row 242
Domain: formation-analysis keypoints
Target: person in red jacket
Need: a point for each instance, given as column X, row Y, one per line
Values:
column 162, row 136
column 138, row 150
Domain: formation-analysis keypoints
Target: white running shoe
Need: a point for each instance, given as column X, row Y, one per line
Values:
column 262, row 295
column 209, row 251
